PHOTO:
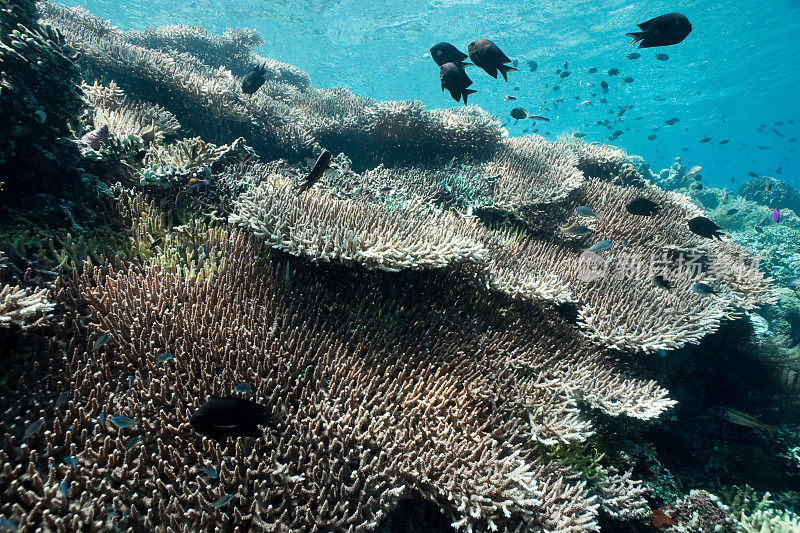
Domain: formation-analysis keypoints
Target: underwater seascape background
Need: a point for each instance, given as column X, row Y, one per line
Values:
column 344, row 302
column 726, row 81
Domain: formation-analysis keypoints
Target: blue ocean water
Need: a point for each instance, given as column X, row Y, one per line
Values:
column 734, row 77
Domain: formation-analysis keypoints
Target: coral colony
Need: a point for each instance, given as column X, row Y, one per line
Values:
column 219, row 350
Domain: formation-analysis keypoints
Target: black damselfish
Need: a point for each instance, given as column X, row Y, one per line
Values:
column 705, row 228
column 665, row 30
column 253, row 80
column 642, row 206
column 447, row 53
column 486, row 55
column 219, row 418
column 455, row 80
column 323, row 163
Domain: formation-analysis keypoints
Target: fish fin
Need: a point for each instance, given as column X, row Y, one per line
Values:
column 505, row 68
column 646, row 24
column 491, row 71
column 455, row 94
column 465, row 93
column 636, row 36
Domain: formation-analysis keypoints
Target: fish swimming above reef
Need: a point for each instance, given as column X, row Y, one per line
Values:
column 662, row 57
column 539, row 117
column 532, row 65
column 600, row 246
column 509, row 98
column 576, row 230
column 613, row 71
column 776, row 215
column 592, row 70
column 519, row 113
column 456, row 81
column 323, row 163
column 253, row 80
column 660, row 282
column 584, row 211
column 443, row 53
column 740, row 418
column 604, row 86
column 665, row 30
column 693, row 171
column 633, row 55
column 705, row 228
column 219, row 418
column 486, row 55
column 642, row 206
column 703, row 289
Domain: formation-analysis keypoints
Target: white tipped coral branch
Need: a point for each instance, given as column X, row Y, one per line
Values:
column 23, row 307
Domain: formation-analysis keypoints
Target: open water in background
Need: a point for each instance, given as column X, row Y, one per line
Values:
column 736, row 71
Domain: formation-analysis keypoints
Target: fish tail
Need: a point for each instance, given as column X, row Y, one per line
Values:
column 636, row 36
column 505, row 68
column 467, row 92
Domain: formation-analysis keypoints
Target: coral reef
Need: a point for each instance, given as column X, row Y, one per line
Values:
column 23, row 308
column 41, row 101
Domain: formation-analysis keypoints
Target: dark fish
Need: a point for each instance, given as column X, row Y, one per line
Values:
column 705, row 139
column 613, row 71
column 33, row 428
column 665, row 30
column 651, row 137
column 244, row 387
column 223, row 501
column 486, row 55
column 592, row 70
column 579, row 135
column 661, row 283
column 604, row 85
column 61, row 398
column 130, row 442
column 566, row 65
column 518, row 113
column 705, row 228
column 662, row 57
column 732, row 211
column 443, row 53
column 507, row 98
column 634, row 55
column 642, row 206
column 671, row 121
column 323, row 163
column 556, row 87
column 724, row 141
column 123, row 422
column 540, row 118
column 532, row 65
column 741, row 418
column 209, row 471
column 230, row 417
column 254, row 79
column 753, row 174
column 455, row 80
column 628, row 80
column 565, row 74
column 615, row 135
column 101, row 340
column 164, row 357
column 698, row 186
column 768, row 187
column 600, row 246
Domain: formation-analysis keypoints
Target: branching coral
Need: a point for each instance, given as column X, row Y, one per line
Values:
column 324, row 228
column 429, row 402
column 24, row 308
column 125, row 117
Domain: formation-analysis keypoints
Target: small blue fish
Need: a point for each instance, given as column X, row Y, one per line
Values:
column 210, row 472
column 244, row 387
column 600, row 246
column 123, row 422
column 584, row 211
column 164, row 357
column 101, row 418
column 101, row 340
column 113, row 514
column 222, row 502
column 130, row 382
column 7, row 524
column 65, row 489
column 703, row 289
column 132, row 441
column 61, row 398
column 33, row 428
column 71, row 461
column 623, row 243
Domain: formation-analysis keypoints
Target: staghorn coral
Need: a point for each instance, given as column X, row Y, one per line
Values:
column 24, row 308
column 604, row 162
column 623, row 497
column 440, row 413
column 324, row 228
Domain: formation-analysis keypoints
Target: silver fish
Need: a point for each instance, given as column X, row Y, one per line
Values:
column 123, row 422
column 101, row 340
column 600, row 246
column 223, row 501
column 576, row 230
column 33, row 428
column 61, row 398
column 703, row 289
column 584, row 211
